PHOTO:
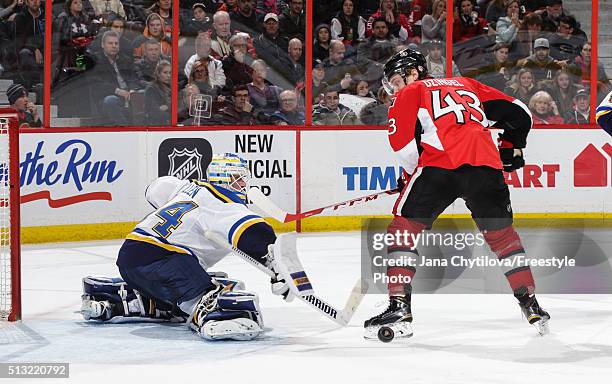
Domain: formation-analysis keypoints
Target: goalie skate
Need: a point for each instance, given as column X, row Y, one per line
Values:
column 394, row 322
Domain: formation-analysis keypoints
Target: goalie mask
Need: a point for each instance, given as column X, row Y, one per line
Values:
column 230, row 171
column 402, row 63
column 163, row 189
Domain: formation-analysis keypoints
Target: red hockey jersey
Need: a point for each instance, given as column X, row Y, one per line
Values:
column 445, row 123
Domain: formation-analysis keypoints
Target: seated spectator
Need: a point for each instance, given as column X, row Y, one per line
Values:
column 221, row 35
column 333, row 113
column 495, row 10
column 361, row 88
column 529, row 31
column 541, row 64
column 467, row 24
column 507, row 27
column 436, row 63
column 543, row 109
column 581, row 68
column 318, row 85
column 376, row 112
column 237, row 66
column 155, row 30
column 564, row 44
column 381, row 45
column 104, row 8
column 293, row 68
column 270, row 45
column 288, row 113
column 263, row 97
column 158, row 95
column 417, row 11
column 582, row 109
column 263, row 7
column 146, row 67
column 433, row 26
column 216, row 75
column 184, row 107
column 238, row 112
column 162, row 8
column 498, row 69
column 339, row 70
column 200, row 76
column 320, row 45
column 347, row 26
column 552, row 14
column 17, row 97
column 523, row 87
column 111, row 81
column 29, row 42
column 292, row 23
column 563, row 89
column 398, row 22
column 116, row 24
column 75, row 33
column 200, row 22
column 244, row 19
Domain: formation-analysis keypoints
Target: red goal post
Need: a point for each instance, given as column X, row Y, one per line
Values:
column 10, row 249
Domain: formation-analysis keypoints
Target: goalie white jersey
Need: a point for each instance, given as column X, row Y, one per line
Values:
column 179, row 225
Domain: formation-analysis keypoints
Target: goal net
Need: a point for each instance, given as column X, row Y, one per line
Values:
column 10, row 297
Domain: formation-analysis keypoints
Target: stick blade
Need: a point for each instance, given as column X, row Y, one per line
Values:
column 266, row 205
column 354, row 300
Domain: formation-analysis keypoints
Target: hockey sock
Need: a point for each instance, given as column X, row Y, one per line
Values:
column 400, row 277
column 506, row 245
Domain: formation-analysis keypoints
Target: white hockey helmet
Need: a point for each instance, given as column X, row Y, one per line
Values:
column 163, row 189
column 229, row 171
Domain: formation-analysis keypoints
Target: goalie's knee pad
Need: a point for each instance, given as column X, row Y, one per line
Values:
column 105, row 297
column 231, row 315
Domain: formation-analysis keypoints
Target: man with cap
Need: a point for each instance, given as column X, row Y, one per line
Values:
column 18, row 99
column 270, row 45
column 582, row 109
column 543, row 66
column 552, row 14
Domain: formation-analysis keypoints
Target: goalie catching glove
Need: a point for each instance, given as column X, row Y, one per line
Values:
column 512, row 158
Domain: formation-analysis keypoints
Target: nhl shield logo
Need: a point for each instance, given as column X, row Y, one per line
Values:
column 186, row 164
column 185, row 158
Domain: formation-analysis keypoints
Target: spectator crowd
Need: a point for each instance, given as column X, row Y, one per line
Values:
column 243, row 61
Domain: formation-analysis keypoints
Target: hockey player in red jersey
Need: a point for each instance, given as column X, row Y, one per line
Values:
column 440, row 130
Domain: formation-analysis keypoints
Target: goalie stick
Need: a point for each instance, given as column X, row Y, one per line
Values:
column 271, row 209
column 340, row 317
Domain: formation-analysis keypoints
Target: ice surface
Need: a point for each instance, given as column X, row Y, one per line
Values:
column 458, row 338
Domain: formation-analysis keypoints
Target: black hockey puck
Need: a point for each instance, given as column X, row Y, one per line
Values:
column 385, row 334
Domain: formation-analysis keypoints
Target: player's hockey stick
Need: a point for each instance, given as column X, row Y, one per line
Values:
column 341, row 317
column 271, row 209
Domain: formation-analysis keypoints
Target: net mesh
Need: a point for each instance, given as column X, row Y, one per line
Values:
column 5, row 222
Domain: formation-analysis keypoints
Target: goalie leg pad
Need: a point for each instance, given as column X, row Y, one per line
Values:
column 107, row 297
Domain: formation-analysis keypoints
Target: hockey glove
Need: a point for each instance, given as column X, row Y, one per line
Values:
column 403, row 180
column 278, row 285
column 512, row 158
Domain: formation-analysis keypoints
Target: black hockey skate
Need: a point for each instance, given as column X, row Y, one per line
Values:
column 534, row 314
column 393, row 322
